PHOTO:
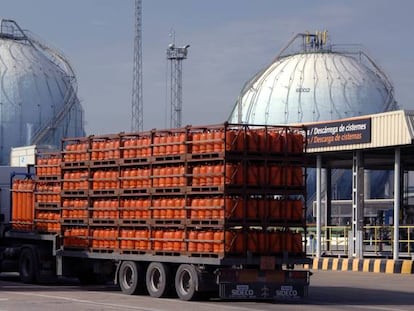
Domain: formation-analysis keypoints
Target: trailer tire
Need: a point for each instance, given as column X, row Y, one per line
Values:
column 158, row 280
column 186, row 282
column 131, row 278
column 28, row 265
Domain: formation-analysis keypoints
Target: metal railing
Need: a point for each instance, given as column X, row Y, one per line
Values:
column 377, row 240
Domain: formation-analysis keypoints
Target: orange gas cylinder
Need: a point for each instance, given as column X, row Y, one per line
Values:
column 178, row 239
column 253, row 242
column 298, row 142
column 209, row 237
column 203, row 142
column 287, row 241
column 117, row 152
column 251, row 143
column 218, row 237
column 145, row 208
column 200, row 241
column 182, row 147
column 297, row 209
column 209, row 144
column 275, row 175
column 261, row 208
column 195, row 203
column 297, row 245
column 192, row 239
column 253, row 177
column 297, row 176
column 182, row 177
column 145, row 243
column 218, row 176
column 147, row 152
column 196, row 143
column 123, row 242
column 274, row 142
column 168, row 176
column 175, row 179
column 128, row 152
column 130, row 242
column 138, row 149
column 252, row 209
column 209, row 172
column 175, row 141
column 218, row 137
column 287, row 176
column 240, row 244
column 240, row 141
column 203, row 178
column 216, row 207
column 15, row 204
column 169, row 243
column 156, row 148
column 228, row 241
column 163, row 141
column 275, row 210
column 196, row 175
column 158, row 243
column 230, row 142
column 169, row 145
column 239, row 178
column 138, row 237
column 228, row 208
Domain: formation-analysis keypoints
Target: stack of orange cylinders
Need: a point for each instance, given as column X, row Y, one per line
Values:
column 142, row 240
column 105, row 238
column 48, row 166
column 75, row 209
column 75, row 180
column 23, row 204
column 76, row 237
column 204, row 241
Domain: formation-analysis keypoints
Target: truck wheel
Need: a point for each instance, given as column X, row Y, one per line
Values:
column 186, row 281
column 130, row 278
column 158, row 280
column 28, row 265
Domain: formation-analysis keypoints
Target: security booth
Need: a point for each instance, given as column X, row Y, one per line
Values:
column 363, row 180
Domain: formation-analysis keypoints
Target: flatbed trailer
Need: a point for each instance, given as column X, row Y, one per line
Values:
column 214, row 210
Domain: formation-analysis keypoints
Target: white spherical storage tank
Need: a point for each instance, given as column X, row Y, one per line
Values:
column 38, row 100
column 313, row 80
column 314, row 84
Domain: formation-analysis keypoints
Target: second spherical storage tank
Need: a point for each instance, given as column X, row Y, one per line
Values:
column 38, row 100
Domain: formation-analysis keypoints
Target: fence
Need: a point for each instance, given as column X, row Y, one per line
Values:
column 377, row 240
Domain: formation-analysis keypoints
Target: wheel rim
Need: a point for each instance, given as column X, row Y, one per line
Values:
column 156, row 279
column 128, row 278
column 185, row 281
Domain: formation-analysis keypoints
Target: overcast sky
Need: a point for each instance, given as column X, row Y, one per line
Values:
column 230, row 41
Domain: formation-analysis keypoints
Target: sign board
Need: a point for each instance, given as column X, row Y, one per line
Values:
column 339, row 133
